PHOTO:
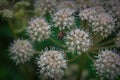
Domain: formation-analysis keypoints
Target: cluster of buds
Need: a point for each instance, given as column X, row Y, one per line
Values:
column 21, row 51
column 38, row 29
column 107, row 64
column 64, row 18
column 78, row 40
column 67, row 4
column 45, row 5
column 101, row 21
column 51, row 64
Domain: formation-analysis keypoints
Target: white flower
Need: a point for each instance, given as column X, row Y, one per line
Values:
column 78, row 40
column 39, row 29
column 52, row 64
column 107, row 64
column 118, row 40
column 21, row 51
column 63, row 18
column 101, row 21
column 7, row 13
column 45, row 5
column 83, row 4
column 90, row 13
column 67, row 4
column 105, row 24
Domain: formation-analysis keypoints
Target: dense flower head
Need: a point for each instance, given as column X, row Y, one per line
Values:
column 45, row 5
column 104, row 24
column 118, row 40
column 39, row 29
column 111, row 6
column 63, row 18
column 90, row 13
column 78, row 40
column 67, row 4
column 52, row 64
column 21, row 51
column 83, row 4
column 101, row 21
column 107, row 64
column 7, row 13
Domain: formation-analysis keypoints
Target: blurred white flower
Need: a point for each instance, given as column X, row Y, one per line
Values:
column 118, row 40
column 52, row 64
column 21, row 51
column 63, row 18
column 101, row 21
column 45, row 5
column 90, row 13
column 103, row 24
column 71, row 4
column 107, row 64
column 39, row 29
column 83, row 4
column 7, row 13
column 78, row 40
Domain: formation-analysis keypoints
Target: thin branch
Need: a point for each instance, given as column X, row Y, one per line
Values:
column 73, row 59
column 51, row 39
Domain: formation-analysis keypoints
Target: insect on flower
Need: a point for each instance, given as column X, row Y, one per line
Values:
column 61, row 34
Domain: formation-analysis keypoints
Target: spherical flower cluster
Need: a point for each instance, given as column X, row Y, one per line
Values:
column 67, row 4
column 21, row 3
column 104, row 24
column 90, row 13
column 78, row 40
column 52, row 64
column 82, row 4
column 39, row 29
column 45, row 5
column 101, row 22
column 107, row 64
column 118, row 40
column 111, row 6
column 7, row 13
column 21, row 51
column 63, row 18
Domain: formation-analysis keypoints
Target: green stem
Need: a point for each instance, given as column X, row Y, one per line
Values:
column 12, row 28
column 81, row 65
column 107, row 42
column 51, row 39
column 27, row 71
column 89, row 57
column 96, row 38
column 73, row 59
column 111, row 46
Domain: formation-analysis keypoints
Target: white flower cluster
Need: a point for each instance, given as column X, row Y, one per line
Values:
column 39, row 29
column 21, row 51
column 67, row 4
column 90, row 13
column 78, row 40
column 63, row 18
column 118, row 40
column 101, row 22
column 7, row 13
column 45, row 5
column 104, row 24
column 111, row 6
column 83, row 4
column 51, row 64
column 107, row 64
